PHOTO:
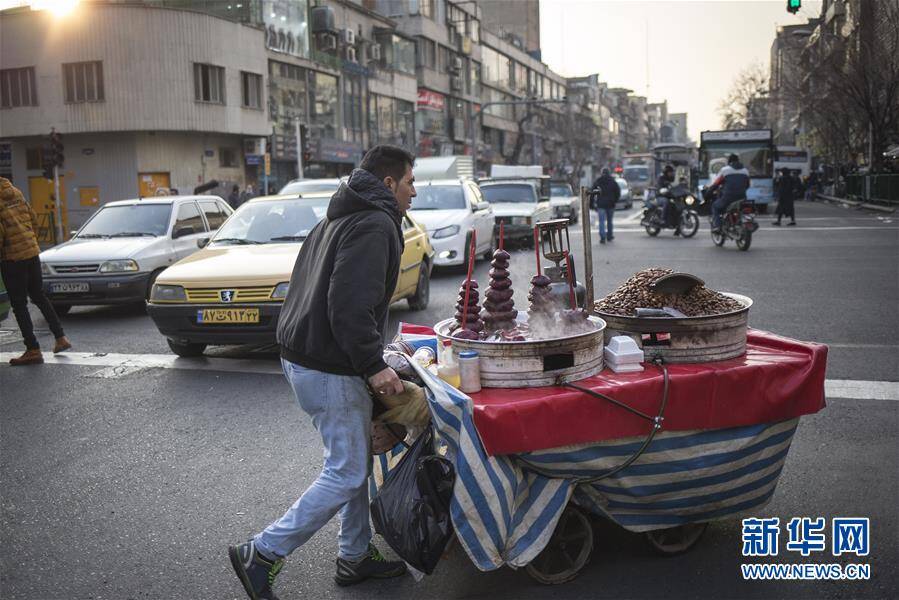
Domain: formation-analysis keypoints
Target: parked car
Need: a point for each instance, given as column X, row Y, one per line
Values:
column 4, row 301
column 450, row 209
column 566, row 205
column 519, row 205
column 117, row 254
column 311, row 186
column 231, row 292
column 624, row 200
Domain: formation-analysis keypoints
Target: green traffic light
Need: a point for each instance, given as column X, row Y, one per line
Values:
column 794, row 6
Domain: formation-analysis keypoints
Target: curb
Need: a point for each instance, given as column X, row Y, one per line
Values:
column 857, row 204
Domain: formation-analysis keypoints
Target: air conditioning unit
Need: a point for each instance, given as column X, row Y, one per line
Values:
column 456, row 64
column 374, row 52
column 327, row 43
column 349, row 37
column 456, row 83
column 351, row 54
column 322, row 18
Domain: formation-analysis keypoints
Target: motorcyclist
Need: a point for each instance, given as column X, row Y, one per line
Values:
column 733, row 180
column 666, row 180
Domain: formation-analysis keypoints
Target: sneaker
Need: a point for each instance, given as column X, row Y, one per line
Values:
column 372, row 565
column 30, row 357
column 602, row 240
column 791, row 223
column 677, row 232
column 62, row 344
column 611, row 237
column 776, row 223
column 256, row 573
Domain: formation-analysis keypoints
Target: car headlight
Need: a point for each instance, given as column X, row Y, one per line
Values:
column 690, row 200
column 521, row 220
column 45, row 269
column 118, row 266
column 445, row 232
column 167, row 293
column 280, row 291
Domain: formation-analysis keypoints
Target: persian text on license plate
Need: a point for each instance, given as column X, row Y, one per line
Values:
column 69, row 287
column 213, row 316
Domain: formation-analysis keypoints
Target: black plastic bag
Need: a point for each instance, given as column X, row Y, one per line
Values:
column 411, row 510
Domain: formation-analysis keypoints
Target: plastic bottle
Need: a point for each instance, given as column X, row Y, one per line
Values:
column 469, row 371
column 448, row 368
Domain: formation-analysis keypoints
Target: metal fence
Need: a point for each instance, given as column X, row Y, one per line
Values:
column 882, row 188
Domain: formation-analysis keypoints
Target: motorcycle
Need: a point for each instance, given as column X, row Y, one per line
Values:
column 738, row 224
column 681, row 212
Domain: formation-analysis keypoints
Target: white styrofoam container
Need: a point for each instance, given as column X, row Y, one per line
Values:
column 623, row 350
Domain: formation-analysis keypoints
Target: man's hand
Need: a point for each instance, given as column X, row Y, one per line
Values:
column 386, row 382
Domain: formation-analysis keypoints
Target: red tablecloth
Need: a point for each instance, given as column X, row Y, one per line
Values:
column 778, row 378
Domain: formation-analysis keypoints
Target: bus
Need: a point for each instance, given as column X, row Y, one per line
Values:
column 793, row 158
column 755, row 147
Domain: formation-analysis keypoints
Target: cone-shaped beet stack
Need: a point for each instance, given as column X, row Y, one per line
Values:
column 499, row 308
column 468, row 323
column 543, row 305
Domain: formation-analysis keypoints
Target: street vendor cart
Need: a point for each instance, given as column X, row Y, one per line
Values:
column 662, row 452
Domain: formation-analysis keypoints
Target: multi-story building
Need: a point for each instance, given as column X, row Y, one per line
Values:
column 656, row 122
column 448, row 69
column 678, row 122
column 785, row 80
column 517, row 21
column 135, row 114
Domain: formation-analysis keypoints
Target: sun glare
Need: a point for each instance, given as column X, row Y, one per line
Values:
column 59, row 8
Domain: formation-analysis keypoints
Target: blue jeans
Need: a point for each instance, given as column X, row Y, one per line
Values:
column 340, row 408
column 605, row 222
column 718, row 207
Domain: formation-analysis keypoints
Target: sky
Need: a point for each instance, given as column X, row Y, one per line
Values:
column 695, row 47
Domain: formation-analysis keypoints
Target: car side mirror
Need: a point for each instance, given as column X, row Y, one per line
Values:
column 483, row 206
column 183, row 231
column 201, row 243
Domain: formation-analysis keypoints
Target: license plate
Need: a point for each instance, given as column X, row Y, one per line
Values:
column 69, row 287
column 214, row 316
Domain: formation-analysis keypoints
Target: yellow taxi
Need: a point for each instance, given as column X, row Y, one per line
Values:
column 231, row 291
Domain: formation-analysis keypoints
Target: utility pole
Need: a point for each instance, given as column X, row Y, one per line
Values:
column 56, row 151
column 58, row 203
column 300, row 147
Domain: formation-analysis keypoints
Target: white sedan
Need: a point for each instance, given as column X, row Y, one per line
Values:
column 450, row 209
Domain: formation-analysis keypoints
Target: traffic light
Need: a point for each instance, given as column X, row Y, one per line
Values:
column 47, row 161
column 57, row 148
column 793, row 6
column 304, row 143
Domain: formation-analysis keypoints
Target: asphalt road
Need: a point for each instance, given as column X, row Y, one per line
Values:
column 130, row 483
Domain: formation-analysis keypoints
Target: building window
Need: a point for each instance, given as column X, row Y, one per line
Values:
column 324, row 106
column 251, row 87
column 427, row 53
column 425, row 8
column 353, row 103
column 83, row 81
column 209, row 83
column 17, row 88
column 228, row 158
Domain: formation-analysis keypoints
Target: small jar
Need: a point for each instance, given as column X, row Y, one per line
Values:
column 425, row 356
column 469, row 371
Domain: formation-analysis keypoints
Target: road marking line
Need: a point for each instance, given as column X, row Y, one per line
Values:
column 114, row 366
column 861, row 390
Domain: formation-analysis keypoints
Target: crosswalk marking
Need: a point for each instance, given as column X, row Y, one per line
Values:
column 113, row 366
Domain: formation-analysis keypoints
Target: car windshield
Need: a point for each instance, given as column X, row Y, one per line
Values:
column 755, row 157
column 636, row 174
column 272, row 221
column 131, row 219
column 438, row 197
column 519, row 193
column 311, row 186
column 560, row 189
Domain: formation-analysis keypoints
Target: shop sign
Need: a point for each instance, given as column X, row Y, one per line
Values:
column 430, row 100
column 339, row 152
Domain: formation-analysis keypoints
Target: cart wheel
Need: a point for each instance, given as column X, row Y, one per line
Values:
column 676, row 540
column 567, row 551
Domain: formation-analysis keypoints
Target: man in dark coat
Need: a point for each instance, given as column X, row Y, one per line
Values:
column 604, row 203
column 786, row 194
column 331, row 332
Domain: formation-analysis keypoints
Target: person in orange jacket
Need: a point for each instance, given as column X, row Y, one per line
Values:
column 20, row 265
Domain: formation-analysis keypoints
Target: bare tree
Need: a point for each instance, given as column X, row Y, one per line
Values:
column 737, row 107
